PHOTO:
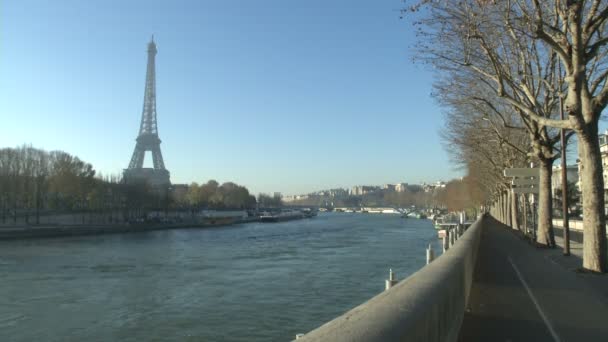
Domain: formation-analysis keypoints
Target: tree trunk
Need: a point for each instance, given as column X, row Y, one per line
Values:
column 594, row 217
column 545, row 235
column 499, row 208
column 4, row 206
column 514, row 208
column 38, row 201
column 509, row 208
column 505, row 210
column 15, row 211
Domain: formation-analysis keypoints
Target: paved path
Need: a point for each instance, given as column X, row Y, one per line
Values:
column 521, row 293
column 575, row 235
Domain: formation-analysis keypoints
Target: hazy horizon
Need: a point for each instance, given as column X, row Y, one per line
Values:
column 292, row 98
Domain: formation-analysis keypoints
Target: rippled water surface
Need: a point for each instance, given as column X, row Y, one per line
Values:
column 253, row 282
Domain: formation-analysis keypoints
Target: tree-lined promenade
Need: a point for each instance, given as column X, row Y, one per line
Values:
column 506, row 71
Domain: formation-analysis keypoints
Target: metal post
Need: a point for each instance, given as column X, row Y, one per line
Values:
column 391, row 281
column 565, row 220
column 429, row 254
column 449, row 232
column 446, row 245
column 451, row 237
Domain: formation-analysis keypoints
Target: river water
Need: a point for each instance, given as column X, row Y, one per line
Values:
column 252, row 282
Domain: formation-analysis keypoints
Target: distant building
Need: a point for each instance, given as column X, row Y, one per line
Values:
column 289, row 198
column 556, row 179
column 604, row 152
column 431, row 187
column 294, row 198
column 401, row 187
column 388, row 187
column 428, row 187
column 337, row 192
column 360, row 190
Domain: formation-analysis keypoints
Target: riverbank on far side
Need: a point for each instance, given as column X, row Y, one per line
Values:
column 49, row 231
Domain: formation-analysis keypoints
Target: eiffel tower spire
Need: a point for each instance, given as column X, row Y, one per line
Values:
column 148, row 139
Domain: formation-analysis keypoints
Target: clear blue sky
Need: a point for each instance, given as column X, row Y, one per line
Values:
column 280, row 95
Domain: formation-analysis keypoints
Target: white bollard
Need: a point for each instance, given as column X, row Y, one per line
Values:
column 391, row 281
column 299, row 336
column 429, row 254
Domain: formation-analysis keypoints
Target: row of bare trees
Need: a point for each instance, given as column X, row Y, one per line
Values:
column 464, row 194
column 505, row 71
column 35, row 182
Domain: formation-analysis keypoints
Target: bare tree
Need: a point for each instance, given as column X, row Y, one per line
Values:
column 466, row 90
column 483, row 142
column 506, row 43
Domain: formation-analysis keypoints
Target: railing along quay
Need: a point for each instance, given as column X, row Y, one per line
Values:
column 429, row 305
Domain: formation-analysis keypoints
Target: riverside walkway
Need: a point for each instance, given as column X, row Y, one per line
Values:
column 524, row 293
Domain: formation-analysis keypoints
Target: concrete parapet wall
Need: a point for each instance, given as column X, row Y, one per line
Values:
column 427, row 306
column 572, row 224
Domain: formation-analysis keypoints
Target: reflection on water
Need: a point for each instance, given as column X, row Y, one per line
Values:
column 254, row 282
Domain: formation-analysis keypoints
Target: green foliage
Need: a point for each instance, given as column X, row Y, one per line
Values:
column 34, row 180
column 214, row 196
column 267, row 201
column 574, row 199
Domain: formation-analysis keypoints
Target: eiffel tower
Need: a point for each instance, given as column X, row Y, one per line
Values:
column 148, row 139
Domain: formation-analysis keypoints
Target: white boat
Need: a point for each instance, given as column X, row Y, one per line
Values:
column 391, row 211
column 284, row 215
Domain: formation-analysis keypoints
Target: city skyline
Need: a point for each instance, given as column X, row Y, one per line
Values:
column 291, row 103
column 394, row 186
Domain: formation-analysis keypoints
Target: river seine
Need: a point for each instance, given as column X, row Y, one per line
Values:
column 252, row 282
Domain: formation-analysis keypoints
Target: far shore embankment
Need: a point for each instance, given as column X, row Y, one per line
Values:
column 8, row 232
